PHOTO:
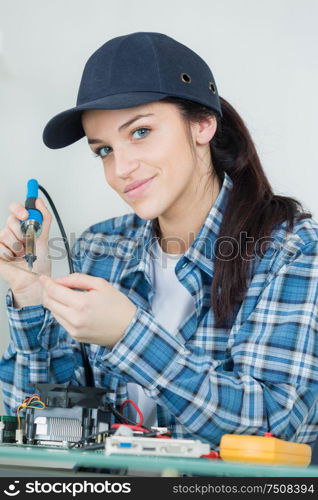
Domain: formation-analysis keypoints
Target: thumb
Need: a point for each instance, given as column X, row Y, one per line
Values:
column 81, row 280
column 47, row 216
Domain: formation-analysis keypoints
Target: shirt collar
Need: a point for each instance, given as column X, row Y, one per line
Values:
column 200, row 252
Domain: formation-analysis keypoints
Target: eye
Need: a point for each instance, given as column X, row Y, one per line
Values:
column 102, row 152
column 141, row 129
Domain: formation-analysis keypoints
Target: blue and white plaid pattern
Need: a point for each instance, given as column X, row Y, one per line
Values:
column 260, row 374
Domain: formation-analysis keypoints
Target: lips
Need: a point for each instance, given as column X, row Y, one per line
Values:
column 135, row 184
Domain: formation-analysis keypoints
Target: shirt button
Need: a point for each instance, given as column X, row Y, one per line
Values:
column 184, row 265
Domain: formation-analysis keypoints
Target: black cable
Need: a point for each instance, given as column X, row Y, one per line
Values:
column 89, row 377
column 94, row 446
column 123, row 420
column 91, row 436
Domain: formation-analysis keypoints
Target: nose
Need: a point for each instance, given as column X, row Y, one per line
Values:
column 125, row 163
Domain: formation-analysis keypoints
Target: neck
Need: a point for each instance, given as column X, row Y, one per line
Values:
column 178, row 230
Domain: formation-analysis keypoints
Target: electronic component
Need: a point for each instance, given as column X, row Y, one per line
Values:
column 19, row 436
column 70, row 414
column 8, row 428
column 134, row 445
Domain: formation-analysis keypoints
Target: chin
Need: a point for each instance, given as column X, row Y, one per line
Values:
column 147, row 213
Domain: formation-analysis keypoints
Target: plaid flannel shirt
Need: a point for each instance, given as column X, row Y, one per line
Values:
column 258, row 375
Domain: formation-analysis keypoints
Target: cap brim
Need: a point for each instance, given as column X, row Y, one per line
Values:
column 66, row 127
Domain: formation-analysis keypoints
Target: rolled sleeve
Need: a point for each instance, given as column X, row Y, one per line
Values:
column 30, row 327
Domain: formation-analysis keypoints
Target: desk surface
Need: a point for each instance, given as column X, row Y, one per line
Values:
column 23, row 455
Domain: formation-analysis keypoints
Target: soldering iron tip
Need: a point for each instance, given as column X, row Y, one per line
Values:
column 30, row 259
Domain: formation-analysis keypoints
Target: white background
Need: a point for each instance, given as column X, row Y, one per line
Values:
column 263, row 56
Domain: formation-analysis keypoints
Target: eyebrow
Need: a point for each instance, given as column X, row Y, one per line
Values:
column 124, row 125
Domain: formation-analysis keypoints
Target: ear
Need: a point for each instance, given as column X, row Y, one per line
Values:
column 203, row 131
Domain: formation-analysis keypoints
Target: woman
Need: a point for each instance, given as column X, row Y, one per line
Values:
column 200, row 305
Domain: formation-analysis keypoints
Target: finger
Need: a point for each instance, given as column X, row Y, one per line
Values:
column 10, row 241
column 5, row 253
column 57, row 308
column 81, row 280
column 63, row 322
column 14, row 225
column 62, row 294
column 18, row 210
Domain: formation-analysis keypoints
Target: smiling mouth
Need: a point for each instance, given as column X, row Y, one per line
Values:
column 135, row 192
column 140, row 184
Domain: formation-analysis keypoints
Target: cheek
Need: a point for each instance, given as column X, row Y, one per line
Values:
column 109, row 178
column 177, row 173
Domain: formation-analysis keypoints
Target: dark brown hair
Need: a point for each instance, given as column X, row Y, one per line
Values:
column 253, row 210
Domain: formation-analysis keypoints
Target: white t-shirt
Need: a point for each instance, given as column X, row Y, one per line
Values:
column 171, row 304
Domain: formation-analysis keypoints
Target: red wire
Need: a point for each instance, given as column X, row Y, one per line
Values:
column 137, row 427
column 141, row 417
column 212, row 455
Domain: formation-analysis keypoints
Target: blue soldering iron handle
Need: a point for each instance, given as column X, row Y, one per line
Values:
column 34, row 214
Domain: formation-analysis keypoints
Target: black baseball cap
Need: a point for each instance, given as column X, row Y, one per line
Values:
column 131, row 70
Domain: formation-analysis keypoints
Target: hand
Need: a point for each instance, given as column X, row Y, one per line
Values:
column 12, row 249
column 100, row 315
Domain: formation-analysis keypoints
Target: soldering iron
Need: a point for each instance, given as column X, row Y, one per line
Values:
column 32, row 226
